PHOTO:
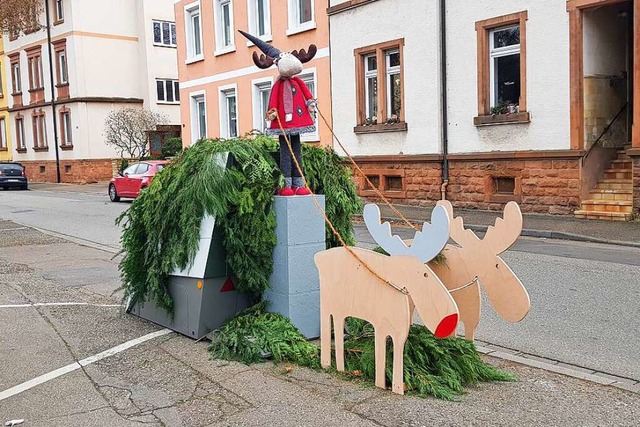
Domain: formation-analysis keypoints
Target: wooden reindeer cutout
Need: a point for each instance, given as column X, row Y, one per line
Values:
column 474, row 257
column 384, row 290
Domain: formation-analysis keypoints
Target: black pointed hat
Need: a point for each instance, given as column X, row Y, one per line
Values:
column 265, row 47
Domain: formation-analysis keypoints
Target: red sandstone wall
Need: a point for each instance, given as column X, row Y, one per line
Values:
column 71, row 171
column 544, row 186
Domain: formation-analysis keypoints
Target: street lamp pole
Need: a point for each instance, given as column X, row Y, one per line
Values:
column 53, row 93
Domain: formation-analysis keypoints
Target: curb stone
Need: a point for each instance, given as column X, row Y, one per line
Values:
column 551, row 365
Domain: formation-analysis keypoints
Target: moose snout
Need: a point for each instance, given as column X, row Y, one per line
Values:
column 447, row 326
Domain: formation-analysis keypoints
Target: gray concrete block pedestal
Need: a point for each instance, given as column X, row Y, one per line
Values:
column 294, row 285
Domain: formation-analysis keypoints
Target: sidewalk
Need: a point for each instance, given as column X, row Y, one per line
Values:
column 93, row 188
column 537, row 225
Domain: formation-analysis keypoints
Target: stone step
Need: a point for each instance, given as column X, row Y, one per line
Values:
column 618, row 174
column 602, row 194
column 621, row 164
column 607, row 216
column 614, row 184
column 607, row 206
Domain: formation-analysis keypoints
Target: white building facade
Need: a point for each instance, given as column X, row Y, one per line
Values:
column 106, row 56
column 487, row 102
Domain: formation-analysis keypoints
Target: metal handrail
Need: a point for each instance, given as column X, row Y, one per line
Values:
column 605, row 130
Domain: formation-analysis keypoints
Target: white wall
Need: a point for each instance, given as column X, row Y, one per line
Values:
column 547, row 77
column 418, row 22
column 156, row 61
column 605, row 41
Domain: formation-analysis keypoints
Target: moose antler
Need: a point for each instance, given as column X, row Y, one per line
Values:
column 459, row 234
column 426, row 244
column 305, row 56
column 505, row 232
column 263, row 61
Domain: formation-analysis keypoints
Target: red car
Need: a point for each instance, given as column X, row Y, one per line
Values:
column 133, row 179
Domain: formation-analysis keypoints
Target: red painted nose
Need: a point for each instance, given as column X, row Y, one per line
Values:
column 447, row 326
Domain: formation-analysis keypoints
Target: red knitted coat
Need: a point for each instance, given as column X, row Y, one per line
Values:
column 301, row 122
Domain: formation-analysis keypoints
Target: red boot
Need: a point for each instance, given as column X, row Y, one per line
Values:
column 286, row 191
column 302, row 191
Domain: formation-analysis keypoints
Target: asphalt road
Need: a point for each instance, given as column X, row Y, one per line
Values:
column 585, row 308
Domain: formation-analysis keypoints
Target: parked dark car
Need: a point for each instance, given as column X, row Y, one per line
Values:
column 12, row 175
column 133, row 179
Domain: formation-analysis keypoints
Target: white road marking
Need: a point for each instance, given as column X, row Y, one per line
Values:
column 77, row 365
column 55, row 304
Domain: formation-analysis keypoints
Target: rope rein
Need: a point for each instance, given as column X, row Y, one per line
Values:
column 355, row 165
column 403, row 289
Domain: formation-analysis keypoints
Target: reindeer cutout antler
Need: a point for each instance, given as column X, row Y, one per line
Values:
column 262, row 61
column 459, row 234
column 506, row 230
column 427, row 243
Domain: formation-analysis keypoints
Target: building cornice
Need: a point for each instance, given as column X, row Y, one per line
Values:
column 347, row 5
column 88, row 100
column 62, row 36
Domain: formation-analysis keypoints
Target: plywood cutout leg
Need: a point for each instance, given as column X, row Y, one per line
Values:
column 325, row 339
column 398, row 364
column 381, row 358
column 338, row 331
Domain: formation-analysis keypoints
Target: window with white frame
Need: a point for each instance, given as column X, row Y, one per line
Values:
column 504, row 63
column 301, row 16
column 63, row 72
column 59, row 10
column 261, row 94
column 3, row 134
column 259, row 18
column 228, row 113
column 15, row 77
column 194, row 32
column 223, row 13
column 198, row 117
column 164, row 33
column 20, row 142
column 394, row 84
column 67, row 131
column 309, row 78
column 371, row 87
column 168, row 91
column 35, row 72
column 1, row 84
column 39, row 131
column 379, row 86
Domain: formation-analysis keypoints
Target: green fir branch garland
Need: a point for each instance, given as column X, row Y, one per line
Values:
column 161, row 228
column 441, row 368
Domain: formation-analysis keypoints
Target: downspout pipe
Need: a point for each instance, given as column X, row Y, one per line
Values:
column 53, row 92
column 444, row 105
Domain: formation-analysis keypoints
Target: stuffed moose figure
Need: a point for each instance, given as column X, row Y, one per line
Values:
column 291, row 106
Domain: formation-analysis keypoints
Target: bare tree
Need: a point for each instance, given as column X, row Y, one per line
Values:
column 126, row 130
column 19, row 16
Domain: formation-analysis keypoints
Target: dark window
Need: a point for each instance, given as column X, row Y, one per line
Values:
column 157, row 33
column 67, row 168
column 42, row 169
column 393, row 183
column 168, row 90
column 160, row 89
column 504, row 185
column 375, row 180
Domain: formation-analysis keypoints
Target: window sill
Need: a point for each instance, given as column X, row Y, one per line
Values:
column 502, row 119
column 266, row 38
column 4, row 149
column 170, row 46
column 66, row 147
column 21, row 150
column 167, row 103
column 16, row 94
column 65, row 84
column 58, row 22
column 505, row 198
column 36, row 89
column 40, row 149
column 194, row 59
column 224, row 50
column 301, row 28
column 393, row 127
